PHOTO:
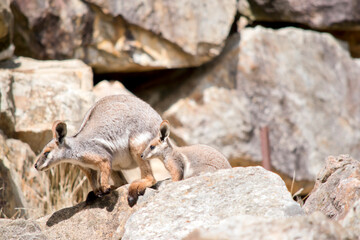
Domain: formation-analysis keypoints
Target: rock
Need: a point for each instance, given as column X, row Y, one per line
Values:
column 97, row 220
column 51, row 29
column 6, row 30
column 106, row 88
column 24, row 191
column 56, row 90
column 320, row 14
column 336, row 188
column 315, row 226
column 352, row 220
column 12, row 202
column 180, row 207
column 116, row 36
column 33, row 184
column 300, row 97
column 20, row 229
column 7, row 108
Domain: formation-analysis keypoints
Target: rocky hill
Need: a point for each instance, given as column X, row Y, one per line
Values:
column 219, row 71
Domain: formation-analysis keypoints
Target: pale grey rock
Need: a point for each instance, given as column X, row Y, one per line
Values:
column 106, row 88
column 7, row 108
column 20, row 229
column 180, row 207
column 45, row 91
column 301, row 84
column 351, row 221
column 318, row 14
column 12, row 201
column 336, row 188
column 113, row 36
column 96, row 220
column 315, row 226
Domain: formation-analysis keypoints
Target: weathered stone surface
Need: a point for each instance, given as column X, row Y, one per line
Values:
column 123, row 36
column 315, row 226
column 44, row 91
column 6, row 30
column 51, row 29
column 180, row 207
column 7, row 108
column 300, row 97
column 12, row 201
column 33, row 184
column 351, row 221
column 106, row 88
column 20, row 229
column 319, row 14
column 337, row 188
column 97, row 220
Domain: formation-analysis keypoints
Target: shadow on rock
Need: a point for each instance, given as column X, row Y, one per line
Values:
column 108, row 202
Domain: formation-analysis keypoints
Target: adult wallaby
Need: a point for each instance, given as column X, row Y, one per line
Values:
column 112, row 136
column 183, row 162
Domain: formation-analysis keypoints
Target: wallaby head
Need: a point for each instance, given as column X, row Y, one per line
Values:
column 160, row 144
column 53, row 152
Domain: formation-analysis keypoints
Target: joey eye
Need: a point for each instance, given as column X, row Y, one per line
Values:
column 152, row 147
column 46, row 154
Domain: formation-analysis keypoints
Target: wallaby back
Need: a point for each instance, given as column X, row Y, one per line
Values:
column 202, row 158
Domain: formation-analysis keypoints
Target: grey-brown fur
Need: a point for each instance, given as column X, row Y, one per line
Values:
column 183, row 162
column 112, row 136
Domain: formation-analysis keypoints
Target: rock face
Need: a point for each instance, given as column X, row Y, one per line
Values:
column 23, row 191
column 124, row 36
column 12, row 201
column 51, row 29
column 6, row 30
column 98, row 220
column 319, row 14
column 298, row 96
column 352, row 220
column 20, row 229
column 56, row 90
column 314, row 226
column 180, row 207
column 336, row 189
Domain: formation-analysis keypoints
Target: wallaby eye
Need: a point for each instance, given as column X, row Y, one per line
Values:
column 46, row 154
column 152, row 147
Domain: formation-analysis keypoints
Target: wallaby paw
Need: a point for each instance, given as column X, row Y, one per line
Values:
column 137, row 189
column 132, row 200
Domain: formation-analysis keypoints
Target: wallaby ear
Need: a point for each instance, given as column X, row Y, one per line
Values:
column 164, row 130
column 59, row 130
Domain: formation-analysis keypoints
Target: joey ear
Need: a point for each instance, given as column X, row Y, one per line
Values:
column 164, row 130
column 59, row 130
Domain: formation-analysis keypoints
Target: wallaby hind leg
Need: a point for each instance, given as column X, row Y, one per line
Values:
column 105, row 169
column 147, row 178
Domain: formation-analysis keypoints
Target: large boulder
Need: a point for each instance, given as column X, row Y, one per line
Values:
column 180, row 207
column 300, row 97
column 98, row 220
column 351, row 221
column 336, row 189
column 319, row 14
column 12, row 201
column 6, row 30
column 340, row 18
column 33, row 184
column 39, row 92
column 114, row 36
column 20, row 229
column 315, row 226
